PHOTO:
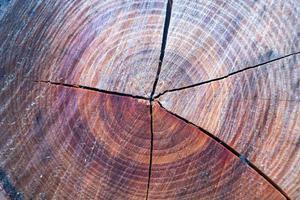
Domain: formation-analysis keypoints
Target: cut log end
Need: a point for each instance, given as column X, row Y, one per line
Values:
column 149, row 99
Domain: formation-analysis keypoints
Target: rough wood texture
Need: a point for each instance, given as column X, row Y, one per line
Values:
column 256, row 112
column 65, row 143
column 188, row 164
column 150, row 99
column 56, row 40
column 209, row 39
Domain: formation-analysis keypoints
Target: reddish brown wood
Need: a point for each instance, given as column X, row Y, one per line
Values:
column 56, row 40
column 256, row 112
column 80, row 84
column 188, row 164
column 65, row 143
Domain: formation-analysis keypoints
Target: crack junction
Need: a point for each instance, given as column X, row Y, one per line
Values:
column 161, row 58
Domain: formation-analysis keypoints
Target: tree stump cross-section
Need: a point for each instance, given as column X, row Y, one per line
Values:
column 150, row 99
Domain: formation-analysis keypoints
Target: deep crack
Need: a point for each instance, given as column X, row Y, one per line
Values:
column 152, row 98
column 161, row 58
column 4, row 178
column 151, row 149
column 163, row 46
column 91, row 89
column 226, row 76
column 232, row 150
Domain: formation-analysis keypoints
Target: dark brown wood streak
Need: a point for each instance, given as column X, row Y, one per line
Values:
column 158, row 99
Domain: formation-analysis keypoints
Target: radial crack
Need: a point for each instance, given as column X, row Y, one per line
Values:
column 91, row 89
column 151, row 150
column 232, row 150
column 161, row 58
column 163, row 46
column 223, row 77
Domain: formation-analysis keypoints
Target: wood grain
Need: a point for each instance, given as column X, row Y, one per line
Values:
column 209, row 39
column 256, row 112
column 93, row 103
column 111, row 45
column 65, row 143
column 188, row 164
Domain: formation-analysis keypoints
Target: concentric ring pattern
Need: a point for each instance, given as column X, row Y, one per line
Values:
column 111, row 45
column 77, row 120
column 64, row 143
column 209, row 39
column 256, row 112
column 188, row 164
